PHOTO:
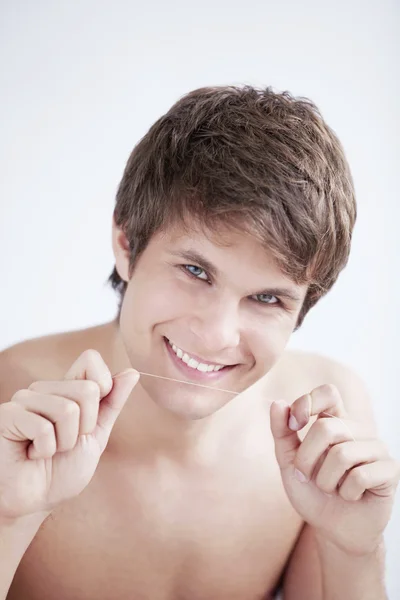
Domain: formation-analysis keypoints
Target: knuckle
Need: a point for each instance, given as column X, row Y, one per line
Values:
column 92, row 355
column 322, row 484
column 330, row 390
column 34, row 386
column 66, row 447
column 70, row 409
column 326, row 427
column 21, row 395
column 7, row 407
column 340, row 454
column 360, row 475
column 345, row 493
column 90, row 390
column 45, row 428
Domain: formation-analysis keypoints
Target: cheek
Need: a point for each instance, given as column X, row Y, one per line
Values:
column 269, row 341
column 150, row 301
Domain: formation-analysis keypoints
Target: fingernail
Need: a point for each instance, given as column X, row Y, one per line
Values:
column 293, row 423
column 300, row 476
column 106, row 383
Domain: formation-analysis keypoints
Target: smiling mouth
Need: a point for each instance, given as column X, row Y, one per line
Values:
column 193, row 362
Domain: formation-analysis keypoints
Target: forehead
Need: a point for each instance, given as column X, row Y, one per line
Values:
column 220, row 238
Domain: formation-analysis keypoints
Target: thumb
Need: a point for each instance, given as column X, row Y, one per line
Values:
column 286, row 440
column 112, row 404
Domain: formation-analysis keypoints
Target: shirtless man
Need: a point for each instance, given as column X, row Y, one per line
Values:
column 233, row 217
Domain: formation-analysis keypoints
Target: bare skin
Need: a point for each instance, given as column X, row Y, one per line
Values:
column 151, row 525
column 187, row 501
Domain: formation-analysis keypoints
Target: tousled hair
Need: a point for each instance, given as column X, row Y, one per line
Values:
column 262, row 162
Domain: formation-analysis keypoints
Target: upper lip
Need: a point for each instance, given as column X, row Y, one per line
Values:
column 198, row 358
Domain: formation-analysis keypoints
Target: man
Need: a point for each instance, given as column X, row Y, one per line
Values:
column 184, row 478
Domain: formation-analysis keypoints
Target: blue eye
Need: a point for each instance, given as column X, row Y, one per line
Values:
column 266, row 299
column 196, row 272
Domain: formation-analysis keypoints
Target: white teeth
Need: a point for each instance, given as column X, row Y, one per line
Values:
column 191, row 362
column 177, row 350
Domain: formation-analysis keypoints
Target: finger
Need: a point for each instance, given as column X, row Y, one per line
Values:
column 90, row 365
column 85, row 393
column 286, row 441
column 111, row 405
column 345, row 456
column 300, row 412
column 379, row 478
column 325, row 398
column 321, row 435
column 63, row 413
column 20, row 425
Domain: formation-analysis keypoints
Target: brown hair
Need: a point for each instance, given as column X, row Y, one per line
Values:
column 261, row 161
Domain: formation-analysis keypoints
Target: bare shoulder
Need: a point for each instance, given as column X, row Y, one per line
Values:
column 315, row 369
column 41, row 354
column 26, row 362
column 42, row 358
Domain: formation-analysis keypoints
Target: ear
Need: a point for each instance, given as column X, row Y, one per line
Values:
column 121, row 251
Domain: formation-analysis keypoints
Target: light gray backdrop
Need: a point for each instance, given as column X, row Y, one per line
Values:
column 82, row 81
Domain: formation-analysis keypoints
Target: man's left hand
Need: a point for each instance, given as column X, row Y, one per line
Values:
column 349, row 477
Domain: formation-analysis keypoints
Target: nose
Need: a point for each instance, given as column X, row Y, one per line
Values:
column 216, row 324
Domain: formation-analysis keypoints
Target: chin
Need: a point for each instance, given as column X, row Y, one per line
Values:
column 184, row 402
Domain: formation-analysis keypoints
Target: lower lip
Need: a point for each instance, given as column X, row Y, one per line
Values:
column 195, row 374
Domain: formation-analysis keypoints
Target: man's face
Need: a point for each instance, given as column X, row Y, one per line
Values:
column 193, row 306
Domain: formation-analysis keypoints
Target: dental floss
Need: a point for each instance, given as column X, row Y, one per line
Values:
column 230, row 392
column 189, row 383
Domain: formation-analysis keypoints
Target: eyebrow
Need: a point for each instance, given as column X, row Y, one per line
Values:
column 195, row 257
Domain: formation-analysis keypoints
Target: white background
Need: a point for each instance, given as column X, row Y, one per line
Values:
column 82, row 81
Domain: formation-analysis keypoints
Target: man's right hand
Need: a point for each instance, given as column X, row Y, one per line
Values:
column 53, row 434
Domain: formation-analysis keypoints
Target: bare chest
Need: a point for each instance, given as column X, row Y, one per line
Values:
column 161, row 538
